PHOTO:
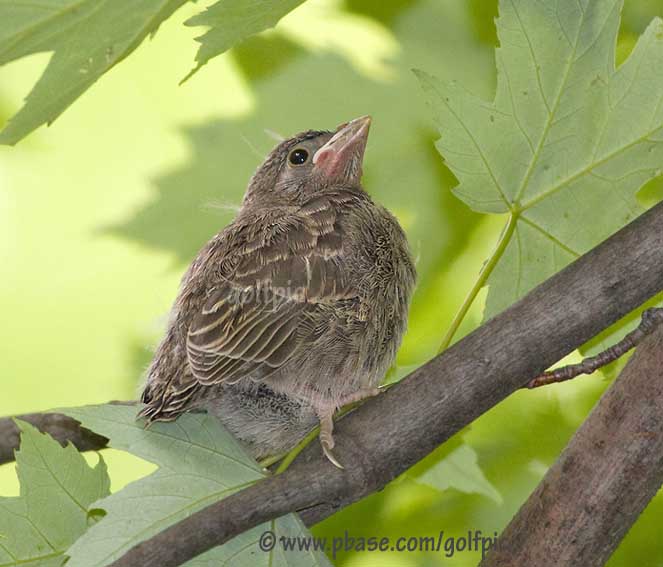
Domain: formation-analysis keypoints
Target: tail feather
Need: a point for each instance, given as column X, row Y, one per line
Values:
column 167, row 403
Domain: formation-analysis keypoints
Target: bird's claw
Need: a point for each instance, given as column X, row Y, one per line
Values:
column 327, row 450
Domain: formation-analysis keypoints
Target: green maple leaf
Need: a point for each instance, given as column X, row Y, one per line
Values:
column 57, row 489
column 566, row 143
column 231, row 22
column 458, row 469
column 87, row 38
column 199, row 463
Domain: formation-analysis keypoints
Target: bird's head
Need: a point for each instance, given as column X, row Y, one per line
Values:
column 310, row 162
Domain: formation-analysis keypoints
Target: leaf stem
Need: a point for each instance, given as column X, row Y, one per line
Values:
column 485, row 272
column 292, row 455
column 267, row 462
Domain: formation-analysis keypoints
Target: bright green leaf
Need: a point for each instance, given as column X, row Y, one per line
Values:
column 231, row 22
column 57, row 489
column 565, row 145
column 459, row 470
column 199, row 463
column 87, row 38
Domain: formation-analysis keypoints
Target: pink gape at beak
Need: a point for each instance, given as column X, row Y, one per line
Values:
column 342, row 156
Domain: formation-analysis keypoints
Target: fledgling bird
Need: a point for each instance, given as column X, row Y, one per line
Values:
column 296, row 308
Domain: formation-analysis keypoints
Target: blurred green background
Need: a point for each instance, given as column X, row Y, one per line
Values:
column 100, row 213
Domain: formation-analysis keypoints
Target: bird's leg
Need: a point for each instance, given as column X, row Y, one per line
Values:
column 358, row 396
column 651, row 319
column 325, row 414
column 326, row 434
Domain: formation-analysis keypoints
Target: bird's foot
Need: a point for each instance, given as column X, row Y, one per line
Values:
column 327, row 423
column 359, row 396
column 326, row 449
column 327, row 438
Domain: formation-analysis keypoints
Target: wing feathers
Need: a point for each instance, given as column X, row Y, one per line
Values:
column 252, row 323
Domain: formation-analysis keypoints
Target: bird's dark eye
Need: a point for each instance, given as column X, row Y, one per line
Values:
column 298, row 156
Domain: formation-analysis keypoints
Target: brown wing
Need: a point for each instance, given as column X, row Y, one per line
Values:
column 253, row 321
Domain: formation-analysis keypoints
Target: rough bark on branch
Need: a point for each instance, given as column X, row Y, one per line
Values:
column 602, row 481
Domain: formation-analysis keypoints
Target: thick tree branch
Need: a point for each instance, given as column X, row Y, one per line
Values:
column 603, row 480
column 393, row 431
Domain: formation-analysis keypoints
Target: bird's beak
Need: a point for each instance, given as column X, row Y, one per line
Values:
column 341, row 157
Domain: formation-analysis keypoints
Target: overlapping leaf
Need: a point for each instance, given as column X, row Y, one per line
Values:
column 57, row 489
column 87, row 38
column 567, row 142
column 459, row 469
column 230, row 22
column 199, row 463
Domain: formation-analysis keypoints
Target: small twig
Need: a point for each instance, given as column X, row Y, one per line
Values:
column 651, row 319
